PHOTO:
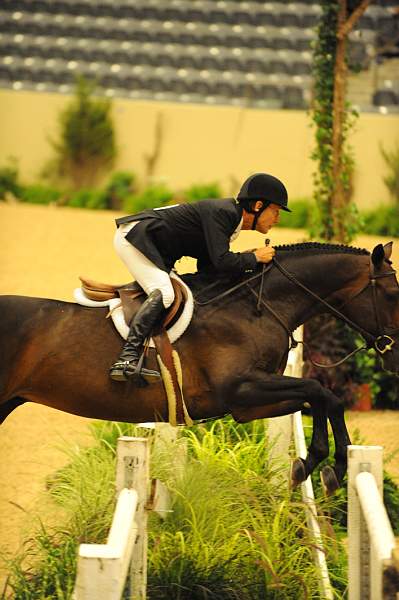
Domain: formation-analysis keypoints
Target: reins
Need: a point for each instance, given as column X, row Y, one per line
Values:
column 331, row 309
column 232, row 289
column 293, row 342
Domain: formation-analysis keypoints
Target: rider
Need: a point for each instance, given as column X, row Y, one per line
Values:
column 150, row 242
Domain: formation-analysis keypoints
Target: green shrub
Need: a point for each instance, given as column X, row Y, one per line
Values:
column 331, row 340
column 153, row 196
column 300, row 216
column 86, row 141
column 120, row 186
column 9, row 180
column 39, row 194
column 202, row 192
column 367, row 369
column 234, row 532
column 88, row 198
column 383, row 220
column 80, row 500
column 391, row 180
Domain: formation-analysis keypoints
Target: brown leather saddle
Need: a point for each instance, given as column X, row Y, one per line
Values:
column 132, row 295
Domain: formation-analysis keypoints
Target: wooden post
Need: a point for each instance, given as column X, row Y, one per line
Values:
column 371, row 540
column 133, row 473
column 279, row 433
column 166, row 438
column 280, row 429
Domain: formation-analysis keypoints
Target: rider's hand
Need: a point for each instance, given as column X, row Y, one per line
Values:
column 265, row 254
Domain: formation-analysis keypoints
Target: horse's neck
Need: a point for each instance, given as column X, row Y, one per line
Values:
column 332, row 277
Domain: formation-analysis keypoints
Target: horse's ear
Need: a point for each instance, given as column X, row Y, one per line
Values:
column 388, row 250
column 378, row 256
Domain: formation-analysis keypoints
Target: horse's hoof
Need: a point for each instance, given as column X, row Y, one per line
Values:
column 329, row 481
column 298, row 472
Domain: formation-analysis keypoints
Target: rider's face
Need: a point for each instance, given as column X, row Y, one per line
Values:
column 268, row 217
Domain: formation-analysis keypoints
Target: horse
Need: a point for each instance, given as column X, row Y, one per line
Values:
column 233, row 352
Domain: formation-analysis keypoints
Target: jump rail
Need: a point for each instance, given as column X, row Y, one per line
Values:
column 103, row 568
column 372, row 554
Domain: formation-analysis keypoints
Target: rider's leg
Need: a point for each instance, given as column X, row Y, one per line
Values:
column 140, row 328
column 156, row 283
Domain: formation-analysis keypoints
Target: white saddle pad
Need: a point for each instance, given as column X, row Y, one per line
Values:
column 174, row 332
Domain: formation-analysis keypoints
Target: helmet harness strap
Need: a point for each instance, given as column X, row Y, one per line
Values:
column 256, row 212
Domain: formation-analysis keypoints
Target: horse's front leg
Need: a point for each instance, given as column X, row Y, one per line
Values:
column 260, row 395
column 332, row 477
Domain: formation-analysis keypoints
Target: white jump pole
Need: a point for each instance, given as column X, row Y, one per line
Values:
column 280, row 429
column 280, row 432
column 311, row 514
column 371, row 539
column 102, row 568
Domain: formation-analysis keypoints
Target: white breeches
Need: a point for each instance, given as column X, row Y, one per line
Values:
column 148, row 275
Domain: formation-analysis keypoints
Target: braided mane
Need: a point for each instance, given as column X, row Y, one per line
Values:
column 319, row 248
column 199, row 281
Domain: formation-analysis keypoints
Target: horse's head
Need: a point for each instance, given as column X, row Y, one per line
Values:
column 376, row 307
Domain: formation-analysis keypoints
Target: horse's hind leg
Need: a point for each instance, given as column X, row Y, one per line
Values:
column 263, row 396
column 8, row 407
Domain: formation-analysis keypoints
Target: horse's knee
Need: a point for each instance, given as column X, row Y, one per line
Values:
column 240, row 415
column 313, row 389
column 243, row 389
column 246, row 394
column 335, row 404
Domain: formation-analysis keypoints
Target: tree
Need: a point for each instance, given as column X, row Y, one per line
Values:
column 86, row 145
column 334, row 119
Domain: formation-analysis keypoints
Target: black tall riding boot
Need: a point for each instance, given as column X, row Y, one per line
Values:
column 142, row 324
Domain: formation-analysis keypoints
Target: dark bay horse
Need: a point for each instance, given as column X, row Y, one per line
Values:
column 233, row 353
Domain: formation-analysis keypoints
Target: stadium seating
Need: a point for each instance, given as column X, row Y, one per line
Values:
column 231, row 51
column 385, row 97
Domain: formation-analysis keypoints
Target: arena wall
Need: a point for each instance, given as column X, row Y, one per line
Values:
column 200, row 143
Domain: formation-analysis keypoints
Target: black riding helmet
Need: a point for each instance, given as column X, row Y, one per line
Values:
column 263, row 187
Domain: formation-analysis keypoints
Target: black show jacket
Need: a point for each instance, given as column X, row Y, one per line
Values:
column 201, row 230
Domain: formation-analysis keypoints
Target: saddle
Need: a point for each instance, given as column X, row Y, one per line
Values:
column 131, row 296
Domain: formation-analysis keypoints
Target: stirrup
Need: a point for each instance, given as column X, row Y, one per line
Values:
column 117, row 371
column 128, row 370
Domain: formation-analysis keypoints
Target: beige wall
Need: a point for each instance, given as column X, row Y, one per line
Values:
column 201, row 143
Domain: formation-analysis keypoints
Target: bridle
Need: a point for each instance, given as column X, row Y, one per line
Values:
column 382, row 342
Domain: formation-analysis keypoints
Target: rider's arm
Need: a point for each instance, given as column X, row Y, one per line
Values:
column 218, row 228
